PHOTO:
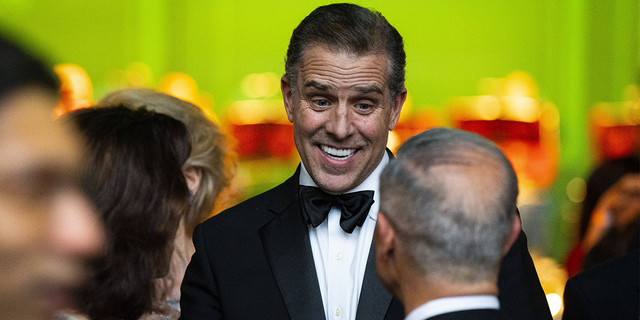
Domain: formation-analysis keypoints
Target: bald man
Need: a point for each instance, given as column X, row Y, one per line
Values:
column 447, row 217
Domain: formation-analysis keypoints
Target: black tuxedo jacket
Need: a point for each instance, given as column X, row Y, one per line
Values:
column 608, row 291
column 476, row 314
column 254, row 261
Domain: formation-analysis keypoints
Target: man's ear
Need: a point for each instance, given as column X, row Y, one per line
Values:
column 193, row 176
column 516, row 228
column 384, row 238
column 385, row 243
column 287, row 96
column 396, row 107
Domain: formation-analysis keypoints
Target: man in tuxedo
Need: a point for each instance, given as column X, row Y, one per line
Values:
column 303, row 249
column 447, row 216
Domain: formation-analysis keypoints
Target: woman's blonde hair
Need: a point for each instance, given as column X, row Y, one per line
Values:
column 211, row 149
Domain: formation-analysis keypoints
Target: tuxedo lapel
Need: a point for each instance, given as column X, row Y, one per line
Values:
column 286, row 244
column 374, row 298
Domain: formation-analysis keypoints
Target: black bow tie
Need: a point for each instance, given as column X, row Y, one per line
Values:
column 316, row 205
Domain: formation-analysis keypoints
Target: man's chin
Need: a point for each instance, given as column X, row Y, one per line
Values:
column 336, row 184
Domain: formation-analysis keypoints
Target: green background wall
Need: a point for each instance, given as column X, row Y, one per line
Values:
column 579, row 51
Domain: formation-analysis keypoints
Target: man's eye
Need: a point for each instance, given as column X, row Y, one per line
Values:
column 321, row 102
column 36, row 184
column 364, row 107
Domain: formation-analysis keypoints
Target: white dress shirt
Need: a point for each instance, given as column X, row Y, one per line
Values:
column 453, row 304
column 341, row 258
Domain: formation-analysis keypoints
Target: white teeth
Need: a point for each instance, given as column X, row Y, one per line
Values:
column 338, row 153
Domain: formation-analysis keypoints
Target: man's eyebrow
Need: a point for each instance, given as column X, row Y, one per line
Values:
column 368, row 89
column 360, row 89
column 316, row 85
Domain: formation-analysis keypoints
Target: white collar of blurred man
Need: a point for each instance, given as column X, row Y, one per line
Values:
column 48, row 228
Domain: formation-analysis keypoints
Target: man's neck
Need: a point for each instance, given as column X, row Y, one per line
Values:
column 453, row 304
column 418, row 292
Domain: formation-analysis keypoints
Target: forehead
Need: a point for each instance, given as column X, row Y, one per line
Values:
column 29, row 136
column 340, row 70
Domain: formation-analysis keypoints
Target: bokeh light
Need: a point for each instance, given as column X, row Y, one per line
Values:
column 76, row 89
column 576, row 190
column 555, row 303
column 260, row 85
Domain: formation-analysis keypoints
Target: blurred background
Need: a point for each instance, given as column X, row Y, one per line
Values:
column 554, row 83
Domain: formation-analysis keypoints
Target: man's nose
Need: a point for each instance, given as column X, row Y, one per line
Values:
column 76, row 229
column 340, row 123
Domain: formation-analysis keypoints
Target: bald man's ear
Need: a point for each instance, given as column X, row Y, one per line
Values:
column 384, row 237
column 385, row 243
column 516, row 228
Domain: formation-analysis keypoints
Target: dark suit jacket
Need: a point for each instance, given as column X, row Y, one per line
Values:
column 477, row 314
column 608, row 291
column 254, row 261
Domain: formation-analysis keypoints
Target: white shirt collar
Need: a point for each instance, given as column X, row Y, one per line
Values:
column 452, row 304
column 371, row 183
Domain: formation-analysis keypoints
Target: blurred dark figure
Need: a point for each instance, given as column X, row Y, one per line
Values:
column 610, row 290
column 47, row 228
column 208, row 170
column 136, row 158
column 610, row 215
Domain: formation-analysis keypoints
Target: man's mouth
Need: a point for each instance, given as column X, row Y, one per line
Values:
column 340, row 154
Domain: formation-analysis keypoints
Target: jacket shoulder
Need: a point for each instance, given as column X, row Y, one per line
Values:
column 258, row 209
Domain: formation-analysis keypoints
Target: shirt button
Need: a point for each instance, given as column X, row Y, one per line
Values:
column 338, row 312
column 338, row 257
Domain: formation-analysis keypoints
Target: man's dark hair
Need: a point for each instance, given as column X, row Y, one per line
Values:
column 135, row 158
column 348, row 28
column 20, row 69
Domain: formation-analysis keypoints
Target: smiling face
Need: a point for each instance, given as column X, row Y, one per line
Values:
column 342, row 113
column 47, row 228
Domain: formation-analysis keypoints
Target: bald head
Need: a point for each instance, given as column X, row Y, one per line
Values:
column 450, row 196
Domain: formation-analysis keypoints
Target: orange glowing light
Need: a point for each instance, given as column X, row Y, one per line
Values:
column 260, row 123
column 412, row 121
column 257, row 111
column 520, row 84
column 509, row 114
column 76, row 90
column 553, row 279
column 615, row 126
column 260, row 85
column 183, row 86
